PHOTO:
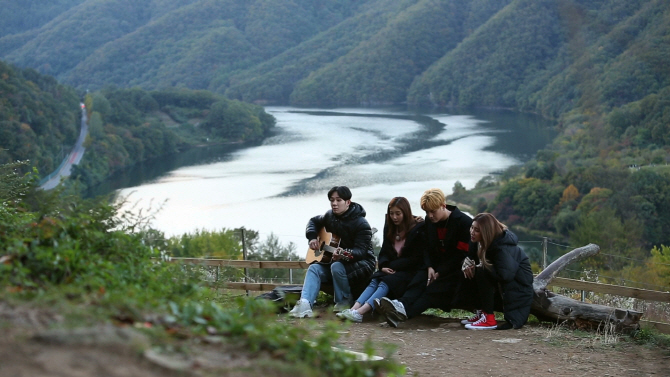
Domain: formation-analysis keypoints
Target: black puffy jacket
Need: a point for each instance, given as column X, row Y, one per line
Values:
column 457, row 245
column 355, row 234
column 407, row 264
column 511, row 269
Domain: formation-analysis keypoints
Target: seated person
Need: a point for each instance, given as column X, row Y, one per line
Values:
column 351, row 264
column 447, row 231
column 400, row 257
column 502, row 264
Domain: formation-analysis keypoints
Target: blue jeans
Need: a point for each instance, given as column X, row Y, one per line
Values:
column 376, row 289
column 323, row 273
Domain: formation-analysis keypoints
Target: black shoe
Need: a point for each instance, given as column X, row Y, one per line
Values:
column 504, row 326
column 392, row 319
column 394, row 308
column 378, row 306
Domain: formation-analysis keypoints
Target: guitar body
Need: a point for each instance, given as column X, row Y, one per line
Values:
column 329, row 243
column 321, row 255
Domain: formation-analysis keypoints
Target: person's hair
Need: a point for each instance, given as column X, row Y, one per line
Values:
column 432, row 199
column 342, row 191
column 408, row 220
column 490, row 229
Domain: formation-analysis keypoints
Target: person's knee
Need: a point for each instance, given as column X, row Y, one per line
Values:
column 338, row 269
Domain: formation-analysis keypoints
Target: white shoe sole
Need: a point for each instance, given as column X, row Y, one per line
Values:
column 306, row 314
column 390, row 309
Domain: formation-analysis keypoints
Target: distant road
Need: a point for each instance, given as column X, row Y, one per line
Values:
column 72, row 159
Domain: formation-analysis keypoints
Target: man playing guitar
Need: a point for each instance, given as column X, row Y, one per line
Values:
column 352, row 261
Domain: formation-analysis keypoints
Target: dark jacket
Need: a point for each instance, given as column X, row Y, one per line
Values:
column 355, row 234
column 447, row 260
column 511, row 269
column 407, row 264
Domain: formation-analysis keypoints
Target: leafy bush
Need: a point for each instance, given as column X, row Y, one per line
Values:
column 68, row 249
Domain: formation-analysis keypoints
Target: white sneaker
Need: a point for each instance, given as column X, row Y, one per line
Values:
column 351, row 315
column 337, row 308
column 393, row 310
column 301, row 309
column 341, row 314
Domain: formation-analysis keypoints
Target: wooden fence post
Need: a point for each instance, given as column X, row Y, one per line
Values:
column 244, row 257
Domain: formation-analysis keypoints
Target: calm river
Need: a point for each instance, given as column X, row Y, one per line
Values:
column 275, row 187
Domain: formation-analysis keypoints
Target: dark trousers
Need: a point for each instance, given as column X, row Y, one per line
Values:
column 418, row 297
column 485, row 286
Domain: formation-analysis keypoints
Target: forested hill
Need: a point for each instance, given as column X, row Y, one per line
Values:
column 39, row 123
column 536, row 55
column 38, row 118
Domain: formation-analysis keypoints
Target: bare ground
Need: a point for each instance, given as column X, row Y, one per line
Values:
column 433, row 346
column 427, row 346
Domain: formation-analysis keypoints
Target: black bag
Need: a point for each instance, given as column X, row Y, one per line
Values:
column 284, row 296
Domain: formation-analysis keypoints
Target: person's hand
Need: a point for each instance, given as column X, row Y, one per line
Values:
column 314, row 244
column 388, row 271
column 469, row 272
column 432, row 275
column 337, row 254
column 468, row 268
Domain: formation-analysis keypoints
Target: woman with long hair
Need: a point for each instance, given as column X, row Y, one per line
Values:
column 399, row 259
column 503, row 268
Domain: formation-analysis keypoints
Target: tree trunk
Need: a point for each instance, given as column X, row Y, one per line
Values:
column 548, row 306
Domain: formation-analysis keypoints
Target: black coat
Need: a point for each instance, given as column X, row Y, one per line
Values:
column 355, row 235
column 511, row 269
column 457, row 246
column 407, row 264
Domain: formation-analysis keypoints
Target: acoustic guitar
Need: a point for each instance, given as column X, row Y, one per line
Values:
column 329, row 243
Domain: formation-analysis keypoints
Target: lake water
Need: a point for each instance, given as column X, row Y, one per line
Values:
column 275, row 187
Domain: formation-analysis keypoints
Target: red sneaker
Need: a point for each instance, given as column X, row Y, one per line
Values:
column 486, row 322
column 474, row 318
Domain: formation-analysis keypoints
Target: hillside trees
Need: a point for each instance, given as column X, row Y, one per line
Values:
column 128, row 126
column 274, row 79
column 381, row 68
column 171, row 42
column 542, row 56
column 39, row 118
column 31, row 14
column 497, row 62
column 229, row 119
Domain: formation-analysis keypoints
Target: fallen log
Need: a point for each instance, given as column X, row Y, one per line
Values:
column 549, row 306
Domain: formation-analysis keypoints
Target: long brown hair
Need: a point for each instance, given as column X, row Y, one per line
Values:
column 490, row 229
column 408, row 220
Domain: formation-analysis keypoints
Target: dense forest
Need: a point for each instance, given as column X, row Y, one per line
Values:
column 597, row 67
column 39, row 118
column 127, row 126
column 39, row 122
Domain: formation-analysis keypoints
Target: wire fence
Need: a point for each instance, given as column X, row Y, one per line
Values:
column 543, row 251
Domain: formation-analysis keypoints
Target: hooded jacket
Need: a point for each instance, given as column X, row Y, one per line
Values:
column 511, row 269
column 355, row 235
column 407, row 264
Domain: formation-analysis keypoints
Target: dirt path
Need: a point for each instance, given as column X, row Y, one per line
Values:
column 427, row 345
column 432, row 346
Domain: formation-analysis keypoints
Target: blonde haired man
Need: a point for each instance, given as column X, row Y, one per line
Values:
column 448, row 233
